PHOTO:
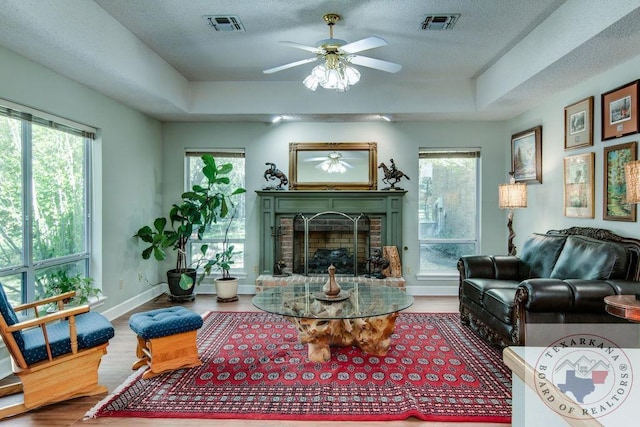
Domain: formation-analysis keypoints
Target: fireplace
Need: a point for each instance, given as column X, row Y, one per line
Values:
column 309, row 244
column 308, row 229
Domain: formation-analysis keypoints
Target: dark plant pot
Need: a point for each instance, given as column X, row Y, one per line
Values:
column 176, row 292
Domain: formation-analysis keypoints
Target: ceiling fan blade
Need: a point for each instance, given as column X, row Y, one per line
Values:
column 289, row 65
column 302, row 46
column 378, row 64
column 364, row 44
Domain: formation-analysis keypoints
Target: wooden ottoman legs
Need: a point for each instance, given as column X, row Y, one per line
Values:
column 167, row 353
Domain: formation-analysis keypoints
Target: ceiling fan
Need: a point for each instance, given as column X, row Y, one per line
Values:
column 331, row 163
column 336, row 72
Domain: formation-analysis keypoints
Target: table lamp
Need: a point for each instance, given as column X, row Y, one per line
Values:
column 510, row 196
column 632, row 184
column 632, row 181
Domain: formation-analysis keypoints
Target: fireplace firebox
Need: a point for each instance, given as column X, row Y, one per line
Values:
column 328, row 238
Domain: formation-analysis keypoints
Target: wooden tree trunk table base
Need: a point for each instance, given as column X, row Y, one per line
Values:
column 371, row 334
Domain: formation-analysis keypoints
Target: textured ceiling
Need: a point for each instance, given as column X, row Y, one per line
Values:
column 162, row 58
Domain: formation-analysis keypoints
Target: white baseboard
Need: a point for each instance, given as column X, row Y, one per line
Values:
column 438, row 290
column 130, row 304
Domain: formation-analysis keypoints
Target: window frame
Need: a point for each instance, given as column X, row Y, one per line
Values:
column 28, row 268
column 218, row 152
column 471, row 152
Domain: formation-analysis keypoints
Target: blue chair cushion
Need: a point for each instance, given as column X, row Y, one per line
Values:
column 164, row 322
column 92, row 328
column 10, row 316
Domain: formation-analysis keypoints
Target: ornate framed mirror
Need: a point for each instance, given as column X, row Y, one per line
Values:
column 333, row 166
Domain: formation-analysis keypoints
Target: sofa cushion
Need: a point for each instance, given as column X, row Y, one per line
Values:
column 474, row 289
column 540, row 252
column 591, row 259
column 500, row 302
column 588, row 295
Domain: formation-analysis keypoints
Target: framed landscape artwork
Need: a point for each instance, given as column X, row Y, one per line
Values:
column 578, row 185
column 526, row 155
column 614, row 187
column 620, row 111
column 578, row 124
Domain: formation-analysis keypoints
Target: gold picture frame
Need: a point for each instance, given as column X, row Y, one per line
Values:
column 333, row 166
column 578, row 124
column 579, row 185
column 614, row 187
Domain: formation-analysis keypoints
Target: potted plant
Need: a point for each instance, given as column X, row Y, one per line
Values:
column 60, row 282
column 226, row 286
column 202, row 206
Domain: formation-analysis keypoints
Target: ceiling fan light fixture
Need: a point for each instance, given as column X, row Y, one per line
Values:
column 311, row 82
column 337, row 72
column 333, row 166
column 352, row 75
column 337, row 76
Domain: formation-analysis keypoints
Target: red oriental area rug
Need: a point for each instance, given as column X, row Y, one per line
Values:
column 254, row 368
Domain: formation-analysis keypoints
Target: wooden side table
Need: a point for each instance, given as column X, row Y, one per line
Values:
column 625, row 306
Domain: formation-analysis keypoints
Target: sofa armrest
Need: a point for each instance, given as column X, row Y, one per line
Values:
column 570, row 295
column 544, row 295
column 500, row 267
column 625, row 287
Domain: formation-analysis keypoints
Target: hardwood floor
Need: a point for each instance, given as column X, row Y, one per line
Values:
column 116, row 368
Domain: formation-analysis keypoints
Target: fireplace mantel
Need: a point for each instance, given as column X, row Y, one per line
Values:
column 274, row 204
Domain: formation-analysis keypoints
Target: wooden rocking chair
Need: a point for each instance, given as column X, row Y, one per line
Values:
column 56, row 356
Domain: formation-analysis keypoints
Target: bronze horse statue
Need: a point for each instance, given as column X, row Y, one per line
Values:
column 392, row 174
column 274, row 173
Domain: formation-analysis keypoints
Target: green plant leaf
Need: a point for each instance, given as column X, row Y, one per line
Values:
column 158, row 254
column 186, row 282
column 145, row 234
column 210, row 172
column 160, row 224
column 225, row 169
column 147, row 252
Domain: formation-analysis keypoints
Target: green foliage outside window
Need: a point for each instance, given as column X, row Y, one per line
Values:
column 43, row 199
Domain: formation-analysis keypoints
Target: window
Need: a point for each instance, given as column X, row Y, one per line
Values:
column 44, row 200
column 215, row 235
column 448, row 208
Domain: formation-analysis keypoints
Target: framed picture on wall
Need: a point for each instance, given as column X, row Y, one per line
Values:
column 526, row 155
column 578, row 124
column 578, row 185
column 614, row 206
column 620, row 111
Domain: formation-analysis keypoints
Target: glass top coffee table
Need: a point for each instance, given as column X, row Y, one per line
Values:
column 356, row 314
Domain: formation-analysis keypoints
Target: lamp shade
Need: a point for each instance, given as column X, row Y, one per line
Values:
column 512, row 195
column 632, row 178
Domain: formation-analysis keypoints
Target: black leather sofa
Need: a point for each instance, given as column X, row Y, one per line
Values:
column 560, row 277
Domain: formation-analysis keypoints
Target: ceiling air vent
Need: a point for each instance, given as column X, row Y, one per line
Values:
column 439, row 22
column 224, row 22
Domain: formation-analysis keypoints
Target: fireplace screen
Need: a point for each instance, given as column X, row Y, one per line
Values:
column 330, row 238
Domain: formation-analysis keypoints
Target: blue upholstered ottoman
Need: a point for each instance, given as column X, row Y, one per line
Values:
column 166, row 339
